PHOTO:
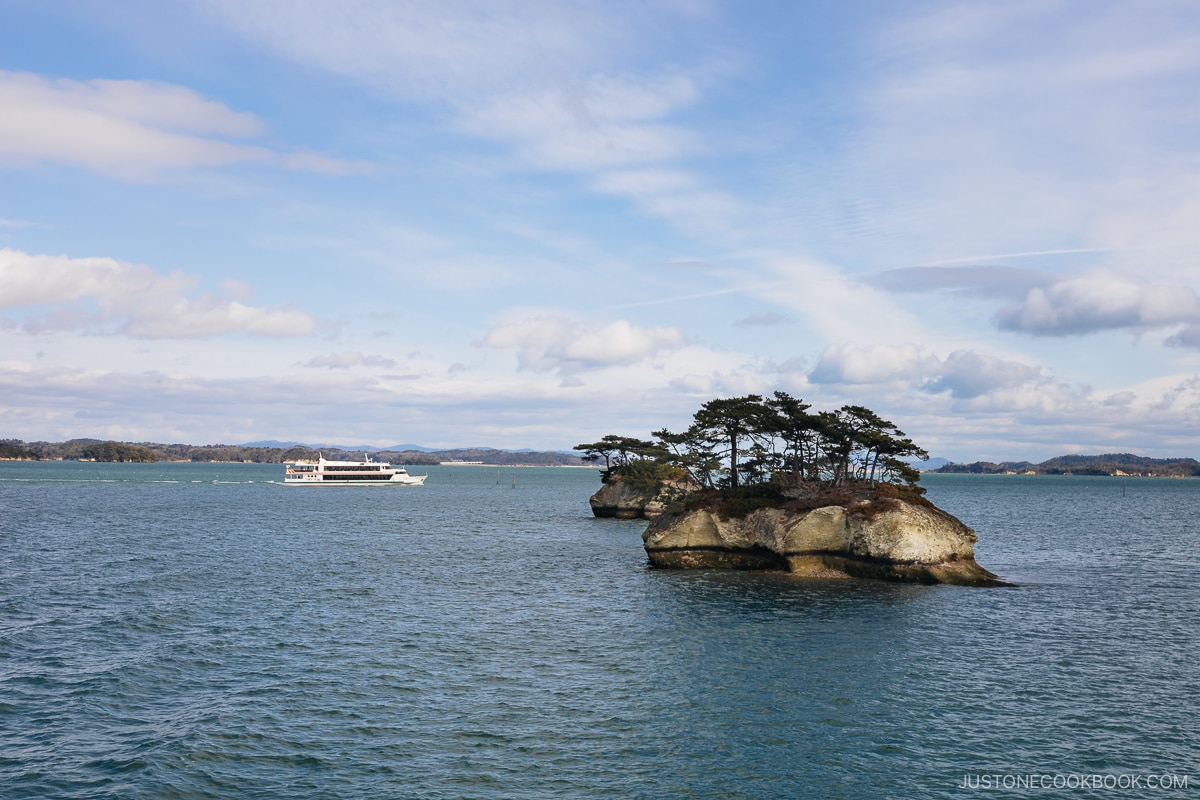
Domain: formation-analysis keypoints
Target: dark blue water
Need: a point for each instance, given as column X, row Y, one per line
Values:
column 194, row 631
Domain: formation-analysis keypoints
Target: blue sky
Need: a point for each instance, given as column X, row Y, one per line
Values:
column 530, row 224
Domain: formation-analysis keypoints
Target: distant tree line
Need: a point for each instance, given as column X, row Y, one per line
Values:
column 100, row 450
column 755, row 441
column 16, row 449
column 1110, row 464
column 232, row 452
column 486, row 455
column 118, row 451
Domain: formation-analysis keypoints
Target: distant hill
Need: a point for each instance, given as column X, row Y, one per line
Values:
column 362, row 448
column 271, row 452
column 1114, row 464
column 486, row 455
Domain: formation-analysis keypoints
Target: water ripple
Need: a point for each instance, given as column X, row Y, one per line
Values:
column 191, row 631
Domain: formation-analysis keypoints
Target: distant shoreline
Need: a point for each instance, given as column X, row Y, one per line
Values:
column 1054, row 475
column 1111, row 465
column 260, row 463
column 154, row 452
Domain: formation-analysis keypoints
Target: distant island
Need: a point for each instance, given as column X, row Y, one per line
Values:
column 148, row 452
column 1110, row 464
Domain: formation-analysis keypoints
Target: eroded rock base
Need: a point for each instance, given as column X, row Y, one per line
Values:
column 902, row 542
column 964, row 572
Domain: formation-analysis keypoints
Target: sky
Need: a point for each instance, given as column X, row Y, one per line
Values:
column 530, row 224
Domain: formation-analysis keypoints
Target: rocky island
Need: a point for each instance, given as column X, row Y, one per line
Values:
column 762, row 484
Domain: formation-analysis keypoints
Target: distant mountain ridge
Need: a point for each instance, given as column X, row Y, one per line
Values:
column 1112, row 464
column 273, row 452
column 361, row 448
column 395, row 448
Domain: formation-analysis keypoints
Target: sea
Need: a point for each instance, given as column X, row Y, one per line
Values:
column 202, row 631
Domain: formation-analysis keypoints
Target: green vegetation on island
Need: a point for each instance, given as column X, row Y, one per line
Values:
column 15, row 450
column 1110, row 464
column 119, row 452
column 101, row 450
column 751, row 452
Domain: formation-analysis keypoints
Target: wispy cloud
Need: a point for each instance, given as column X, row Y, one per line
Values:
column 559, row 87
column 132, row 130
column 764, row 319
column 451, row 51
column 143, row 302
column 587, row 125
column 348, row 359
column 1009, row 256
column 988, row 281
column 1031, row 128
column 674, row 195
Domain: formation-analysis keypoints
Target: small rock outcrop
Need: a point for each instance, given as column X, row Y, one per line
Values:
column 896, row 540
column 617, row 498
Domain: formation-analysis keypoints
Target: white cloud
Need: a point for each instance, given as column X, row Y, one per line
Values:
column 147, row 303
column 1044, row 304
column 724, row 381
column 965, row 374
column 132, row 130
column 1097, row 303
column 876, row 363
column 547, row 343
column 472, row 408
column 210, row 316
column 127, row 129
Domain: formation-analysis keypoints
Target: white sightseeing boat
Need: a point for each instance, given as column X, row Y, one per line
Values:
column 323, row 472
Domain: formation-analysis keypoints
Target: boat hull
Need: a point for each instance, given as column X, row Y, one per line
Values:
column 352, row 483
column 348, row 473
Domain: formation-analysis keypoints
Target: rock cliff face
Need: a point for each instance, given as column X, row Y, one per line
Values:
column 904, row 542
column 618, row 499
